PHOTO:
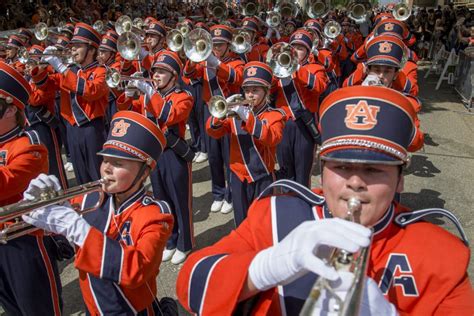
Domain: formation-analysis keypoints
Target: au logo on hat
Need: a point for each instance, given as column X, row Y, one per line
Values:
column 389, row 27
column 251, row 71
column 385, row 47
column 104, row 41
column 361, row 116
column 152, row 25
column 120, row 128
column 161, row 58
column 217, row 32
column 298, row 36
column 245, row 23
column 76, row 31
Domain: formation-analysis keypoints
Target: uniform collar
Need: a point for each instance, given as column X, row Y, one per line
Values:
column 379, row 227
column 167, row 92
column 91, row 65
column 129, row 202
column 15, row 132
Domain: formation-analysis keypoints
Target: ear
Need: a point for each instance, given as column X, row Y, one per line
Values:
column 401, row 183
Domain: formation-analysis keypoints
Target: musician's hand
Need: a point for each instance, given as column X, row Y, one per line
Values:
column 372, row 80
column 233, row 98
column 145, row 87
column 212, row 61
column 269, row 33
column 54, row 61
column 62, row 220
column 40, row 184
column 143, row 53
column 242, row 111
column 303, row 249
column 373, row 301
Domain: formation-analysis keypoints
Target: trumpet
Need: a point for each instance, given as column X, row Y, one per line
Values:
column 249, row 8
column 138, row 23
column 273, row 19
column 220, row 108
column 218, row 10
column 99, row 26
column 198, row 45
column 113, row 78
column 317, row 9
column 358, row 11
column 42, row 31
column 175, row 40
column 183, row 28
column 287, row 9
column 129, row 45
column 13, row 212
column 332, row 29
column 25, row 57
column 401, row 11
column 124, row 24
column 282, row 59
column 342, row 260
column 241, row 42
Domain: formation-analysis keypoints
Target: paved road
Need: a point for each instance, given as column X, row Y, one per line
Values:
column 441, row 175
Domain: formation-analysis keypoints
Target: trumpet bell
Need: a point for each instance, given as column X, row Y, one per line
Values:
column 183, row 28
column 99, row 26
column 287, row 9
column 138, row 23
column 218, row 107
column 112, row 78
column 273, row 19
column 123, row 24
column 41, row 31
column 23, row 55
column 317, row 9
column 250, row 9
column 401, row 12
column 358, row 11
column 241, row 42
column 175, row 40
column 129, row 45
column 332, row 29
column 198, row 45
column 282, row 59
column 218, row 10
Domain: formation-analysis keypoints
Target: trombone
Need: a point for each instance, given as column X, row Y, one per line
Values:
column 342, row 260
column 198, row 45
column 220, row 108
column 241, row 42
column 13, row 212
column 282, row 59
column 25, row 57
column 113, row 78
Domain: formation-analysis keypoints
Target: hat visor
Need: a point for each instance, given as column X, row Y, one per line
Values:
column 163, row 66
column 353, row 155
column 383, row 62
column 254, row 83
column 111, row 152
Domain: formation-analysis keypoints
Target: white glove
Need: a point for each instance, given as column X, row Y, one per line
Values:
column 41, row 183
column 242, row 111
column 54, row 60
column 233, row 98
column 212, row 61
column 144, row 87
column 60, row 219
column 303, row 249
column 372, row 80
column 269, row 33
column 143, row 53
column 131, row 92
column 277, row 34
column 373, row 301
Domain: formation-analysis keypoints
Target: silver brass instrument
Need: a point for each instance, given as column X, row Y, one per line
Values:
column 99, row 26
column 220, row 108
column 273, row 19
column 401, row 11
column 358, row 11
column 138, row 23
column 25, row 57
column 13, row 212
column 317, row 9
column 198, row 45
column 287, row 9
column 175, row 40
column 250, row 8
column 332, row 29
column 113, row 78
column 183, row 28
column 342, row 260
column 125, row 24
column 241, row 42
column 218, row 10
column 42, row 31
column 129, row 45
column 282, row 59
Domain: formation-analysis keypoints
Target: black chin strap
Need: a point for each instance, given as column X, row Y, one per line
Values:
column 137, row 178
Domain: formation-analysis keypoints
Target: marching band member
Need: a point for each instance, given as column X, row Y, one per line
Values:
column 84, row 96
column 259, row 49
column 221, row 73
column 14, row 43
column 155, row 40
column 29, row 282
column 298, row 95
column 118, row 245
column 255, row 133
column 279, row 251
column 41, row 118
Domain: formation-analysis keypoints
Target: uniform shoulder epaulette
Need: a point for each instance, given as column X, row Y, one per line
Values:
column 289, row 186
column 406, row 218
column 276, row 110
column 164, row 206
column 32, row 136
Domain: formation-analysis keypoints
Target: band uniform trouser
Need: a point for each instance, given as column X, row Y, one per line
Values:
column 295, row 153
column 29, row 277
column 51, row 138
column 84, row 143
column 110, row 111
column 196, row 121
column 243, row 194
column 62, row 125
column 172, row 182
column 218, row 154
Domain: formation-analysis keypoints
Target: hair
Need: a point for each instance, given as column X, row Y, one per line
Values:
column 19, row 115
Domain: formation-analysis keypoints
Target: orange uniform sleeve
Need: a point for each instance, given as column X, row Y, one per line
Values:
column 268, row 131
column 193, row 70
column 217, row 128
column 199, row 284
column 90, row 89
column 356, row 78
column 313, row 77
column 231, row 72
column 175, row 110
column 128, row 266
column 325, row 58
column 25, row 162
